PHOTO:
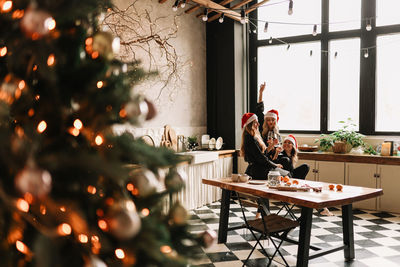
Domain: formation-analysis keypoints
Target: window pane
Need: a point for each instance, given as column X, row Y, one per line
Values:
column 344, row 82
column 304, row 11
column 388, row 84
column 387, row 12
column 293, row 84
column 344, row 15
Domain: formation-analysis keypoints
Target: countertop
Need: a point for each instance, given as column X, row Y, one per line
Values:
column 358, row 158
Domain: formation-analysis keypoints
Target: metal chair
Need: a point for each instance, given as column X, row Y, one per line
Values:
column 268, row 226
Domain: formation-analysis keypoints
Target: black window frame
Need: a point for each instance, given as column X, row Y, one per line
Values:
column 367, row 66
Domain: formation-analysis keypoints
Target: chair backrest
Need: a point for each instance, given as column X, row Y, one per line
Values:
column 251, row 201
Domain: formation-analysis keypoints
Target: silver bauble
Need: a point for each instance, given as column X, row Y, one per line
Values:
column 33, row 180
column 33, row 23
column 175, row 180
column 123, row 220
column 144, row 181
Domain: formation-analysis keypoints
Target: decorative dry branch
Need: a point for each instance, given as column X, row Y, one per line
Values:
column 148, row 37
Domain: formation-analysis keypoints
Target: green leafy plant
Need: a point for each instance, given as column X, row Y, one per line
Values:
column 370, row 150
column 345, row 134
column 192, row 142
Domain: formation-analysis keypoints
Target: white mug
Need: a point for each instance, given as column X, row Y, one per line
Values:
column 244, row 178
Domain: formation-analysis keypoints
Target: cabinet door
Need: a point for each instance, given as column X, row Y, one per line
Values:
column 389, row 181
column 330, row 172
column 360, row 174
column 311, row 163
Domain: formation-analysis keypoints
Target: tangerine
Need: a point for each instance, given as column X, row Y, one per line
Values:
column 295, row 182
column 339, row 187
column 331, row 187
column 286, row 179
column 288, row 183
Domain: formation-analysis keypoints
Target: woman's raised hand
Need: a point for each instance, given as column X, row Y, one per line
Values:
column 260, row 93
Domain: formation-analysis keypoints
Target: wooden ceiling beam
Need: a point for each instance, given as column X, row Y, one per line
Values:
column 255, row 6
column 238, row 5
column 162, row 1
column 224, row 2
column 214, row 6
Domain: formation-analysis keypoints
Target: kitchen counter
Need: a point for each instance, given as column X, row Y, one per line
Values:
column 358, row 158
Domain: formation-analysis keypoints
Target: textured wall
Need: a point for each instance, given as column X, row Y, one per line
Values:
column 181, row 102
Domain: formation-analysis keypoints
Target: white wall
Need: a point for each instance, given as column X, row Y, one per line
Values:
column 182, row 103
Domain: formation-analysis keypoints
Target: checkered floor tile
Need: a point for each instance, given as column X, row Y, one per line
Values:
column 376, row 235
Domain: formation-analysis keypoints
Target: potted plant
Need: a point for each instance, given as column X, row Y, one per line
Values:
column 342, row 140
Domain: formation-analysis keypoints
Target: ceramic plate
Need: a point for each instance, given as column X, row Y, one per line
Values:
column 258, row 182
column 218, row 143
column 211, row 144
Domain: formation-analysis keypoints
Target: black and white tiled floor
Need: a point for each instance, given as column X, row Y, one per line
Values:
column 376, row 235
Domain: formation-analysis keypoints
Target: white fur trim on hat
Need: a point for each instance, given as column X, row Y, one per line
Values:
column 291, row 139
column 271, row 115
column 249, row 120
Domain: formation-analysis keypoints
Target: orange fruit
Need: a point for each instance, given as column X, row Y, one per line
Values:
column 286, row 179
column 331, row 187
column 288, row 184
column 281, row 178
column 295, row 182
column 339, row 187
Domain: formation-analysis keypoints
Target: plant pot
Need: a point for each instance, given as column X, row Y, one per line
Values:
column 339, row 147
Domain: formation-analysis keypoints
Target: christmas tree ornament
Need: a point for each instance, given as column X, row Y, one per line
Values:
column 152, row 112
column 208, row 238
column 137, row 108
column 33, row 180
column 105, row 44
column 175, row 180
column 122, row 219
column 144, row 182
column 178, row 215
column 37, row 23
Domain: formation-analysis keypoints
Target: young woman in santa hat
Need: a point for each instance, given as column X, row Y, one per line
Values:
column 287, row 157
column 253, row 149
column 269, row 123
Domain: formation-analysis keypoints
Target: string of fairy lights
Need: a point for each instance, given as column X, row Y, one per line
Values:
column 245, row 19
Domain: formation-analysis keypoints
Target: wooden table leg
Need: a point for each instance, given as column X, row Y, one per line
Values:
column 224, row 216
column 303, row 249
column 348, row 231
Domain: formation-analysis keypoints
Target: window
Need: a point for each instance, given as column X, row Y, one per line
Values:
column 344, row 15
column 387, row 12
column 344, row 82
column 388, row 84
column 293, row 86
column 276, row 12
column 353, row 71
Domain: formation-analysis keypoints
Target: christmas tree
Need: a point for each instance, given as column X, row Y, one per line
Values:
column 72, row 192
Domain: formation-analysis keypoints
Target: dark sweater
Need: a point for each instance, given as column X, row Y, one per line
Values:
column 259, row 163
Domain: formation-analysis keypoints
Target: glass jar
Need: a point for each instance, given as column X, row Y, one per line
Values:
column 273, row 178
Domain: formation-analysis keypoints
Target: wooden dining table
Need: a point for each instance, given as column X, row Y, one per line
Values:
column 307, row 201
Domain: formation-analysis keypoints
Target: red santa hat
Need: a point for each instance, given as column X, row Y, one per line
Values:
column 272, row 114
column 292, row 139
column 248, row 118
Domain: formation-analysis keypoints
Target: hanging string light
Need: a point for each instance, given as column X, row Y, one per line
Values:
column 205, row 16
column 175, row 6
column 221, row 18
column 314, row 32
column 311, row 53
column 183, row 3
column 366, row 55
column 290, row 11
column 368, row 27
column 270, row 40
column 242, row 17
column 336, row 53
column 288, row 47
column 266, row 26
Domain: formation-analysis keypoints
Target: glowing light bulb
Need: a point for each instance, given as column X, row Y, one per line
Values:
column 100, row 84
column 51, row 60
column 64, row 229
column 183, row 4
column 41, row 126
column 3, row 51
column 73, row 131
column 78, row 124
column 98, row 140
column 91, row 189
column 175, row 6
column 145, row 212
column 368, row 27
column 22, row 205
column 242, row 17
column 50, row 23
column 7, row 5
column 21, row 85
column 21, row 247
column 119, row 253
column 366, row 55
column 83, row 238
column 270, row 40
column 102, row 225
column 165, row 249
